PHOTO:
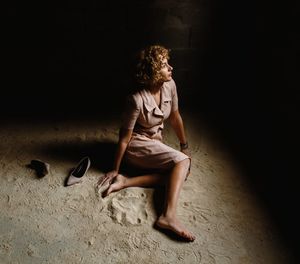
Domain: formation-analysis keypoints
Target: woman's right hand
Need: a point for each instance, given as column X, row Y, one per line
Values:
column 109, row 176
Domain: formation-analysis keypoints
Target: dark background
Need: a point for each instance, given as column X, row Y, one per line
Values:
column 236, row 65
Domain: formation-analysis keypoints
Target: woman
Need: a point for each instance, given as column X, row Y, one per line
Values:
column 140, row 138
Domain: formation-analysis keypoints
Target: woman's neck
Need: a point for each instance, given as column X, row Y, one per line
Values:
column 155, row 88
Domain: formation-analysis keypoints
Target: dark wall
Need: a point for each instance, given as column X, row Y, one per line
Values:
column 80, row 54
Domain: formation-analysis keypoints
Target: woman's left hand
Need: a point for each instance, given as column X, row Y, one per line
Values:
column 108, row 177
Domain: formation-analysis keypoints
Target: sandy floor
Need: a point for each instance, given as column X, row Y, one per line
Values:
column 42, row 221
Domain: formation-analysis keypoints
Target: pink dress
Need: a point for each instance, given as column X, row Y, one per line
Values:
column 146, row 149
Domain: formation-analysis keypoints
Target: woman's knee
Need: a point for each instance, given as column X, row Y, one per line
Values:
column 185, row 164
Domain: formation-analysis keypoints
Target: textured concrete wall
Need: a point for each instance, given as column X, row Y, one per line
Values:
column 226, row 56
column 89, row 45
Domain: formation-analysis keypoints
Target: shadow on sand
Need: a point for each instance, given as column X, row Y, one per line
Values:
column 101, row 154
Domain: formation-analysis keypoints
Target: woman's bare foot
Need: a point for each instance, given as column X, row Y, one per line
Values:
column 117, row 185
column 174, row 225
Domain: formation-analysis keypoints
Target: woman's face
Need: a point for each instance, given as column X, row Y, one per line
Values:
column 165, row 71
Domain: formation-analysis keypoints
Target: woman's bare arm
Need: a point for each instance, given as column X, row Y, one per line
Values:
column 124, row 138
column 177, row 124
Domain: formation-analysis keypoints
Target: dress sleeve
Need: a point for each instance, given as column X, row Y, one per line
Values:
column 174, row 97
column 130, row 113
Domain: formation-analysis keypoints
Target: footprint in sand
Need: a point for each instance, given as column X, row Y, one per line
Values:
column 129, row 207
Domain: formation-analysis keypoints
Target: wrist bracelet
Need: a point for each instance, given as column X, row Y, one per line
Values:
column 184, row 145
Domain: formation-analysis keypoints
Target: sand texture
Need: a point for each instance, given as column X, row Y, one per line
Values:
column 42, row 221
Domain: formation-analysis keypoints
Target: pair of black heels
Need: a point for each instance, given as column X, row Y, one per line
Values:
column 77, row 174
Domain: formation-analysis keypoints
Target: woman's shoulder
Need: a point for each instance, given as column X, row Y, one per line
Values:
column 134, row 98
column 170, row 87
column 172, row 82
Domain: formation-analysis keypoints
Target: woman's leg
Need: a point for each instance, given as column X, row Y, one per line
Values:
column 174, row 182
column 147, row 180
column 168, row 219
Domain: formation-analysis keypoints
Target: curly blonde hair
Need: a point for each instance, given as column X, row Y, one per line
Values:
column 149, row 64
